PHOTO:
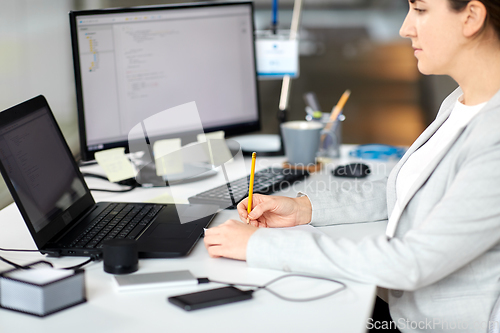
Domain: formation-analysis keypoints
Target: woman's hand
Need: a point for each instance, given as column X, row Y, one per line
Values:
column 276, row 212
column 229, row 240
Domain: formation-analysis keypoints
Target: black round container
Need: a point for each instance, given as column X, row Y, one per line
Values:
column 120, row 256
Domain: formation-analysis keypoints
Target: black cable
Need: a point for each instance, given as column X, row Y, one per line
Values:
column 114, row 191
column 25, row 266
column 265, row 287
column 81, row 264
column 93, row 258
column 94, row 175
column 17, row 250
column 12, row 263
column 87, row 163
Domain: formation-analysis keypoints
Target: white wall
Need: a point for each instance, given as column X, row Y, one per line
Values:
column 35, row 58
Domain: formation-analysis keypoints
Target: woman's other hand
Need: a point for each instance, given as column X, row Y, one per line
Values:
column 276, row 212
column 229, row 240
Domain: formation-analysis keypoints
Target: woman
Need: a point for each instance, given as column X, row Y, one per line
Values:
column 440, row 258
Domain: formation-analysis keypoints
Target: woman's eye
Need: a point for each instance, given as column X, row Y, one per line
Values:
column 419, row 10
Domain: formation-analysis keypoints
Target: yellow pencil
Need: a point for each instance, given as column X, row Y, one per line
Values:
column 250, row 189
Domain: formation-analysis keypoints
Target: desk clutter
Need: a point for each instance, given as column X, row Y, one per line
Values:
column 331, row 131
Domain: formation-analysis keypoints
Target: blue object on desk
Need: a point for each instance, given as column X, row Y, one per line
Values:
column 377, row 152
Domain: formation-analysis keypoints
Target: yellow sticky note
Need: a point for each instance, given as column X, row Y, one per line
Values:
column 168, row 157
column 204, row 137
column 167, row 199
column 217, row 148
column 115, row 164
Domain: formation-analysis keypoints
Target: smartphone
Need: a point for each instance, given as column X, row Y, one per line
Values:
column 208, row 298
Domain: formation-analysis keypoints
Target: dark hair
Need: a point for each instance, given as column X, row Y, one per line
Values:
column 492, row 8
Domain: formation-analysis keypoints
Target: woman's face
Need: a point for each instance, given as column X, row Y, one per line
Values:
column 436, row 34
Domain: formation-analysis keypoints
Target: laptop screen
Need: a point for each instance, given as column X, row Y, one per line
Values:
column 40, row 169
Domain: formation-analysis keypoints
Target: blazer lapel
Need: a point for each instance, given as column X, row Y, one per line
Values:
column 443, row 115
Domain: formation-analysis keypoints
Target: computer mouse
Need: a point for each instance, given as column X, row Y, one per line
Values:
column 353, row 170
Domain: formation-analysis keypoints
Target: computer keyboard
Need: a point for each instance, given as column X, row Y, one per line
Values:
column 118, row 220
column 265, row 182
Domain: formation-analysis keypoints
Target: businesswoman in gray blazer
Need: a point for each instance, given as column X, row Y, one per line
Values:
column 440, row 257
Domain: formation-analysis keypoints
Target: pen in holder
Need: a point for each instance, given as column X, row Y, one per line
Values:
column 331, row 137
column 329, row 146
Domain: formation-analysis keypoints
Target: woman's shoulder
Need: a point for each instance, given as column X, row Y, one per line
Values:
column 485, row 126
column 489, row 116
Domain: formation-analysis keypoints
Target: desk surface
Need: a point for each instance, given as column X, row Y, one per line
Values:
column 109, row 311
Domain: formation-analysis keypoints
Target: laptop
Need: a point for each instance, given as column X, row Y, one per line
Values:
column 58, row 208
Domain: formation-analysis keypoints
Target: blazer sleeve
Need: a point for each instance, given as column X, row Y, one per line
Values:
column 359, row 202
column 461, row 226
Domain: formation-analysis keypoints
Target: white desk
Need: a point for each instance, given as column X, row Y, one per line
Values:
column 148, row 311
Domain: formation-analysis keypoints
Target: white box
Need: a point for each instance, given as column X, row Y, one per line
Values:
column 41, row 291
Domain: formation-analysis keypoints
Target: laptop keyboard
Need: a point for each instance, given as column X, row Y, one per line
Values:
column 118, row 220
column 265, row 182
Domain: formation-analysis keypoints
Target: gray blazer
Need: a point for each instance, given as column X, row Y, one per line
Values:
column 443, row 264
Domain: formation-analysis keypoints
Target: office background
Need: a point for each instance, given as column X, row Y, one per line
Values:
column 345, row 44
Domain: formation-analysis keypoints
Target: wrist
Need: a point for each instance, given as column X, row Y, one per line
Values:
column 304, row 211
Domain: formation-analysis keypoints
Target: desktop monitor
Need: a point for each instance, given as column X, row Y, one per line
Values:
column 132, row 63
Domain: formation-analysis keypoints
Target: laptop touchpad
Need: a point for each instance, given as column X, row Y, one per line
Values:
column 168, row 230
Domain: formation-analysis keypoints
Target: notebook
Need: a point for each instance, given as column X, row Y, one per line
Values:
column 58, row 208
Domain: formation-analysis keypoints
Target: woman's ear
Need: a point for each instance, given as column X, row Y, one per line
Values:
column 474, row 18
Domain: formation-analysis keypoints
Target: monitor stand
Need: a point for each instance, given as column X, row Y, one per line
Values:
column 195, row 166
column 192, row 172
column 262, row 144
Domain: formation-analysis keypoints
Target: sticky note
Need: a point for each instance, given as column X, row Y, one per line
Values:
column 218, row 151
column 115, row 164
column 204, row 137
column 168, row 157
column 166, row 198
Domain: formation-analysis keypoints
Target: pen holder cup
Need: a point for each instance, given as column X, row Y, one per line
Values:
column 331, row 139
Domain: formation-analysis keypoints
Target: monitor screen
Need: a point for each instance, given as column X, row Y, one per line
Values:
column 132, row 63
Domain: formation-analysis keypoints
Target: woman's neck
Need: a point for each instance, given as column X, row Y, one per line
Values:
column 479, row 71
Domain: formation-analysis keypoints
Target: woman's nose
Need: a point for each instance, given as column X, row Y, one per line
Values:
column 407, row 29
